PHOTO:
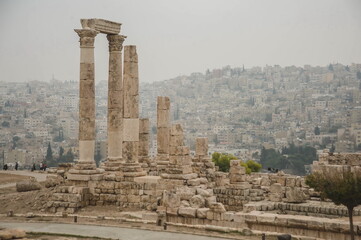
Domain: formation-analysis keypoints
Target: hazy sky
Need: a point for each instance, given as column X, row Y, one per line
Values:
column 177, row 37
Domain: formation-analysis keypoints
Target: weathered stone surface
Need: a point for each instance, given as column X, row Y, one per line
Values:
column 295, row 195
column 163, row 118
column 276, row 188
column 12, row 234
column 202, row 146
column 130, row 152
column 217, row 207
column 131, row 130
column 163, row 140
column 170, row 199
column 163, row 103
column 202, row 212
column 28, row 185
column 144, row 125
column 187, row 212
column 101, row 25
column 185, row 193
column 86, row 129
column 197, row 201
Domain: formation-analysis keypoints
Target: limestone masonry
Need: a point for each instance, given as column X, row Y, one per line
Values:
column 183, row 189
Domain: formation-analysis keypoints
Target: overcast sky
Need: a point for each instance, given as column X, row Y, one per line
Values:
column 176, row 37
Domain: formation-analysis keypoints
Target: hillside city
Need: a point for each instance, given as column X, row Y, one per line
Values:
column 240, row 110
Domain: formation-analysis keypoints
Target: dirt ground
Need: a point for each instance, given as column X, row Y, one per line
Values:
column 11, row 178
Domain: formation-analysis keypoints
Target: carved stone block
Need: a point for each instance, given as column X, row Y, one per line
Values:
column 86, row 129
column 202, row 146
column 130, row 54
column 86, row 108
column 163, row 140
column 131, row 105
column 87, row 71
column 87, row 89
column 144, row 125
column 115, row 99
column 130, row 152
column 131, row 129
column 115, row 119
column 163, row 118
column 163, row 103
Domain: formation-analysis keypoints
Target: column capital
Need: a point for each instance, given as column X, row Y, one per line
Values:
column 87, row 37
column 115, row 42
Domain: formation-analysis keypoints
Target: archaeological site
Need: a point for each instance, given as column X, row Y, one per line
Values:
column 176, row 188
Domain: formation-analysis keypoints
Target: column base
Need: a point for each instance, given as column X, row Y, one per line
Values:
column 85, row 165
column 113, row 164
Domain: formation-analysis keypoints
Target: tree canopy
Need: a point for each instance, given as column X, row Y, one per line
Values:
column 292, row 157
column 340, row 187
column 222, row 160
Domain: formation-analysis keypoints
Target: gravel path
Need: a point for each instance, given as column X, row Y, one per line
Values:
column 103, row 231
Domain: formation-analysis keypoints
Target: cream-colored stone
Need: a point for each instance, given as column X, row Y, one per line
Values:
column 101, row 25
column 115, row 142
column 131, row 105
column 144, row 125
column 202, row 146
column 131, row 130
column 163, row 118
column 163, row 140
column 87, row 56
column 86, row 151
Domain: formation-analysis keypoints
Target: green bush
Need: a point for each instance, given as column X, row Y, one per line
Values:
column 254, row 166
column 222, row 160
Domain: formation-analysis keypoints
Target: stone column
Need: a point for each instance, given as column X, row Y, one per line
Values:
column 115, row 103
column 144, row 143
column 131, row 167
column 163, row 132
column 87, row 99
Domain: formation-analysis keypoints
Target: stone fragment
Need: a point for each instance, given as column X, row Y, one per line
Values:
column 185, row 193
column 170, row 199
column 202, row 212
column 28, row 185
column 202, row 146
column 197, row 201
column 295, row 195
column 187, row 212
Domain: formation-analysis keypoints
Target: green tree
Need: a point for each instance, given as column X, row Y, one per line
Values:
column 358, row 75
column 341, row 188
column 317, row 130
column 15, row 141
column 330, row 67
column 69, row 157
column 5, row 124
column 254, row 166
column 97, row 158
column 61, row 157
column 215, row 140
column 222, row 160
column 49, row 154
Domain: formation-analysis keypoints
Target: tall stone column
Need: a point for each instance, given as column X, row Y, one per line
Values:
column 144, row 143
column 163, row 133
column 87, row 99
column 115, row 103
column 131, row 167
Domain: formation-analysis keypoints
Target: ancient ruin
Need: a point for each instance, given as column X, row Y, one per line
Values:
column 184, row 190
